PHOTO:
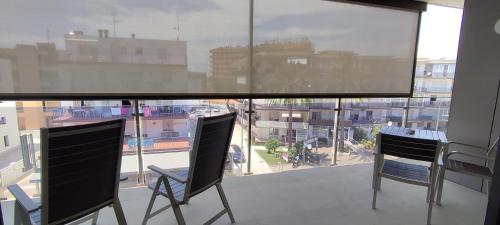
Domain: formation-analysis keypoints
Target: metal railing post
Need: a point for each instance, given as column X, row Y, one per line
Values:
column 249, row 136
column 137, row 115
column 406, row 111
column 250, row 63
column 336, row 135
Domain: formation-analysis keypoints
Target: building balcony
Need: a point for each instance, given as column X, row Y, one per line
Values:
column 326, row 122
column 280, row 124
column 322, row 105
column 299, row 107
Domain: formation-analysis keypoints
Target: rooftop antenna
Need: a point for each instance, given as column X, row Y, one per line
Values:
column 178, row 28
column 115, row 21
column 47, row 34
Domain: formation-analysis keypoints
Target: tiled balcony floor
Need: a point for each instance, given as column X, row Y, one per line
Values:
column 329, row 196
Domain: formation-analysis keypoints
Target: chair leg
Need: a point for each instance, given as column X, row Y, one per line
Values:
column 380, row 164
column 428, row 194
column 173, row 202
column 178, row 214
column 379, row 182
column 440, row 185
column 375, row 169
column 224, row 202
column 152, row 201
column 375, row 190
column 18, row 220
column 431, row 197
column 120, row 216
column 488, row 186
column 95, row 217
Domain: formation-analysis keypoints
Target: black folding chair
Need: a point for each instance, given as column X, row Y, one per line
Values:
column 208, row 157
column 410, row 148
column 80, row 175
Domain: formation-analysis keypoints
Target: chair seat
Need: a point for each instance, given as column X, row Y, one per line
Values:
column 416, row 174
column 178, row 188
column 468, row 168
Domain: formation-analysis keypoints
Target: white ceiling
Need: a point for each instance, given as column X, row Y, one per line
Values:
column 450, row 3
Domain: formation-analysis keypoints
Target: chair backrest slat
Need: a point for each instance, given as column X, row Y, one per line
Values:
column 410, row 148
column 80, row 169
column 210, row 148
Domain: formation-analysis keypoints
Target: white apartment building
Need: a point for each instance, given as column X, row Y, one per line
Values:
column 9, row 132
column 106, row 49
column 428, row 109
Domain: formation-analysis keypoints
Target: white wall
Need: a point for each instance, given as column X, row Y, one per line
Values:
column 11, row 129
column 476, row 79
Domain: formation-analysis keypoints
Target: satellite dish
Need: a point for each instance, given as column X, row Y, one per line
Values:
column 497, row 27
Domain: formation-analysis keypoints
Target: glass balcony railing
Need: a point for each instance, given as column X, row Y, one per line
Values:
column 284, row 134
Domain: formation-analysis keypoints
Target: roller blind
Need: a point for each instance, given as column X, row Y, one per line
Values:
column 188, row 47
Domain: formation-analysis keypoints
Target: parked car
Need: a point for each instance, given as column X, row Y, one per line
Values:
column 237, row 154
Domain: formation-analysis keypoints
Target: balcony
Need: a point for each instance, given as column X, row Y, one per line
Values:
column 315, row 196
column 300, row 107
column 280, row 124
column 327, row 122
column 322, row 105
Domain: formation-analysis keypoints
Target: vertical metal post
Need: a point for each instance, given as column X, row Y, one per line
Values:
column 32, row 150
column 242, row 126
column 406, row 112
column 137, row 115
column 249, row 140
column 250, row 81
column 336, row 135
column 437, row 118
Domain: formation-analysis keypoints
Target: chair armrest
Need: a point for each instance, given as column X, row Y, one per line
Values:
column 168, row 174
column 467, row 145
column 23, row 199
column 465, row 154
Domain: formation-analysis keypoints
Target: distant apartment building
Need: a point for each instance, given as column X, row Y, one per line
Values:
column 229, row 69
column 432, row 91
column 295, row 65
column 434, row 78
column 100, row 62
column 32, row 115
column 271, row 121
column 106, row 49
column 427, row 110
column 9, row 132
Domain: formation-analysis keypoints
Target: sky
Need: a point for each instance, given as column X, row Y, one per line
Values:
column 440, row 32
column 214, row 23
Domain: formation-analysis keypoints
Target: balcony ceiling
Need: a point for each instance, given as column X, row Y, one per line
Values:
column 449, row 3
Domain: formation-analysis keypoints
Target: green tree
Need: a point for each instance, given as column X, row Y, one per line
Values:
column 290, row 102
column 375, row 130
column 272, row 144
column 368, row 144
column 359, row 134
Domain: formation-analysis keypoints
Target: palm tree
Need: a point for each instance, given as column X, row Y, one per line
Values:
column 289, row 102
